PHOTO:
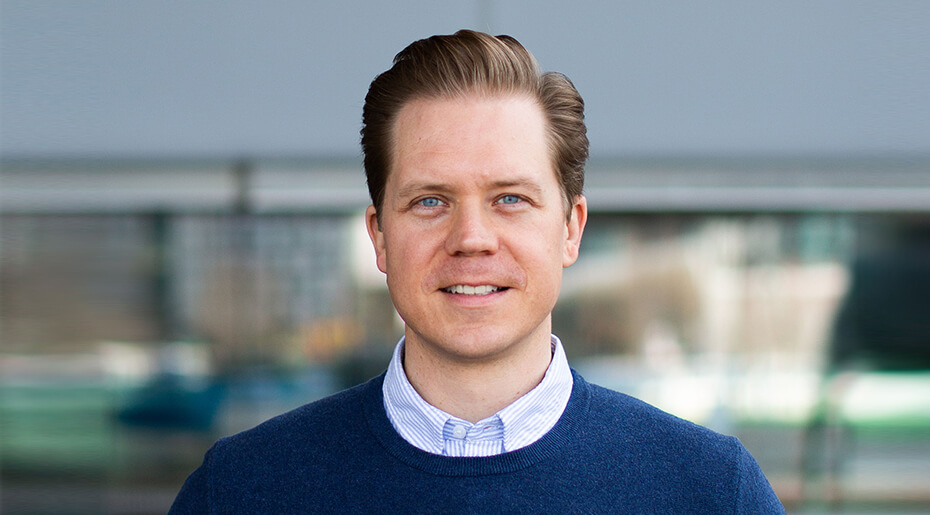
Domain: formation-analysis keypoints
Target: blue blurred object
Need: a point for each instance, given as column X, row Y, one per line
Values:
column 172, row 401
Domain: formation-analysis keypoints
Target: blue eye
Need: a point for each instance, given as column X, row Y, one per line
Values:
column 509, row 199
column 430, row 202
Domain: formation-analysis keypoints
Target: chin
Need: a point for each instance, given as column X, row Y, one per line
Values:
column 471, row 345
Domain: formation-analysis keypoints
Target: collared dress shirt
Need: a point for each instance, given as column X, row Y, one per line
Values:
column 520, row 424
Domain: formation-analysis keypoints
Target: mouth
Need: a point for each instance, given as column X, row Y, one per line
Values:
column 464, row 289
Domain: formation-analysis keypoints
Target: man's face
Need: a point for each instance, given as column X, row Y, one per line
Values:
column 474, row 234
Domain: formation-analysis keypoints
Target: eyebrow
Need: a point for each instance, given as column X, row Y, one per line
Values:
column 531, row 185
column 416, row 188
column 413, row 188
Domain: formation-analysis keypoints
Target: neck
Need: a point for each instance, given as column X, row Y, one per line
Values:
column 475, row 389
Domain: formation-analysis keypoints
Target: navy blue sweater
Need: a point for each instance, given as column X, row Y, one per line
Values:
column 609, row 453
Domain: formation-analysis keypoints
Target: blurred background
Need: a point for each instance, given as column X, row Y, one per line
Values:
column 183, row 255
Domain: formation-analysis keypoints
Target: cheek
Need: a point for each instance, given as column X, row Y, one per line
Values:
column 549, row 241
column 404, row 258
column 540, row 253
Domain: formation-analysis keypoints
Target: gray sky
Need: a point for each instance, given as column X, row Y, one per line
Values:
column 231, row 78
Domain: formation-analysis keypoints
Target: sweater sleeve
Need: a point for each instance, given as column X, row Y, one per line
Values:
column 755, row 494
column 194, row 496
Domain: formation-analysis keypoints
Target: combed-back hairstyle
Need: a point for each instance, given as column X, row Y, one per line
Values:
column 464, row 63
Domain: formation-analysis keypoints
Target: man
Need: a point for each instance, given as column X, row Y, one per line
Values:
column 474, row 162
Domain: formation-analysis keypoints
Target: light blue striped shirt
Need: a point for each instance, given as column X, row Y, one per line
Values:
column 521, row 423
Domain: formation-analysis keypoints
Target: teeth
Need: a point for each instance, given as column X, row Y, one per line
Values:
column 472, row 290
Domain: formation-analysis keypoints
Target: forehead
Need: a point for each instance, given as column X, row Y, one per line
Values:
column 474, row 135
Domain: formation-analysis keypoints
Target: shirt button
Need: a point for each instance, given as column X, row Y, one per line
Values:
column 459, row 432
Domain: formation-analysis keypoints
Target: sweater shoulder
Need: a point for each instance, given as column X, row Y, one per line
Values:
column 666, row 453
column 300, row 454
column 641, row 423
column 315, row 422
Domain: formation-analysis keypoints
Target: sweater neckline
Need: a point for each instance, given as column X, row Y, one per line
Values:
column 566, row 431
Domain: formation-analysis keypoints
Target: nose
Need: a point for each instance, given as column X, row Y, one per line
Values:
column 471, row 233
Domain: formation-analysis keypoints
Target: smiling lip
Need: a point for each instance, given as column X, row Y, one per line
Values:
column 478, row 291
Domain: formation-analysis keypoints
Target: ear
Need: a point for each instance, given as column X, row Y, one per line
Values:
column 574, row 227
column 377, row 237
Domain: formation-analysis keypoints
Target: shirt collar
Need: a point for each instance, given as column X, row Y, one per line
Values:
column 524, row 421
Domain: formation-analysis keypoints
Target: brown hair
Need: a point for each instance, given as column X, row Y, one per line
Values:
column 467, row 62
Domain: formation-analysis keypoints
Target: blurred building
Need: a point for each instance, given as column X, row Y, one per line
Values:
column 267, row 261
